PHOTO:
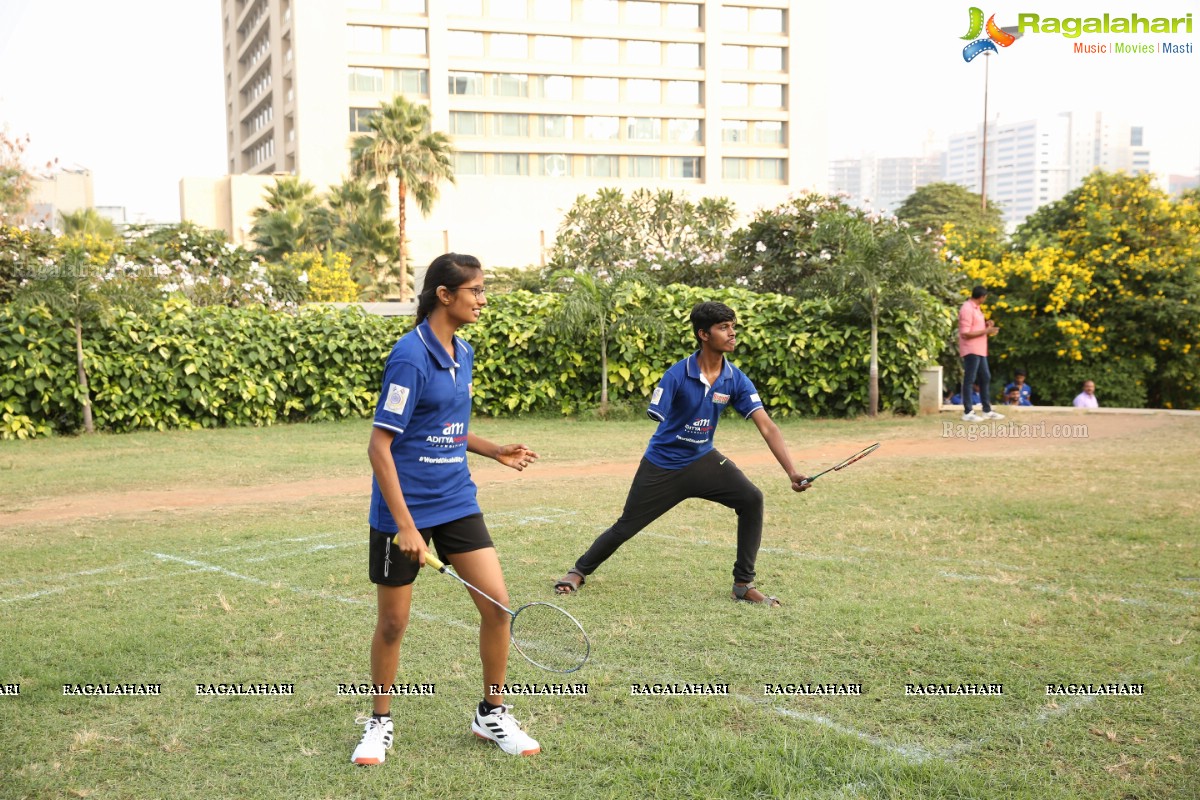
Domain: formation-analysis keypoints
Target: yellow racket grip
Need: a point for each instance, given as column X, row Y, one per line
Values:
column 432, row 561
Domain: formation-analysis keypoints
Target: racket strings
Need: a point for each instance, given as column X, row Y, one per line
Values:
column 550, row 637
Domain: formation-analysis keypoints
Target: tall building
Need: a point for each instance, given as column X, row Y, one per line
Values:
column 883, row 183
column 544, row 100
column 1034, row 162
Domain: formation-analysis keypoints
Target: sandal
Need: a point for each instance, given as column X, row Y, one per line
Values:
column 740, row 590
column 568, row 586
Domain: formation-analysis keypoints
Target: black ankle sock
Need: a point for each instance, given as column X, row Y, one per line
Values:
column 486, row 708
column 381, row 717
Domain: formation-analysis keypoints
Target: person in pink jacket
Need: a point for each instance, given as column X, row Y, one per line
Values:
column 973, row 332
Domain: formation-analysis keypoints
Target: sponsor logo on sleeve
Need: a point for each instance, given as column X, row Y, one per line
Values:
column 754, row 398
column 397, row 399
column 654, row 400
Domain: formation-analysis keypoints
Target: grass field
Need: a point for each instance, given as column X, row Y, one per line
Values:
column 238, row 556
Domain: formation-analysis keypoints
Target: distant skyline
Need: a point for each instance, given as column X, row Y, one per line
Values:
column 137, row 98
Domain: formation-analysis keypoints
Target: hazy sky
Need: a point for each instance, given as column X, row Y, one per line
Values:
column 132, row 89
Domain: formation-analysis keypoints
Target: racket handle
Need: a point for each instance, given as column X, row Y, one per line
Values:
column 432, row 561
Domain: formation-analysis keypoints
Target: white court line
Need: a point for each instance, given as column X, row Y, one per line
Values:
column 66, row 575
column 1058, row 590
column 914, row 754
column 33, row 595
column 774, row 550
column 205, row 567
column 316, row 548
column 270, row 542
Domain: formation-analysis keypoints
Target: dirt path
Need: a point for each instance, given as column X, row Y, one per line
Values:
column 1017, row 441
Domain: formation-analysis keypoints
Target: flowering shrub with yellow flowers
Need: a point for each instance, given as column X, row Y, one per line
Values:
column 1102, row 285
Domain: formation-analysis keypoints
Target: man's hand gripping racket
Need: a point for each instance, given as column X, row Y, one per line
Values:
column 866, row 451
column 543, row 633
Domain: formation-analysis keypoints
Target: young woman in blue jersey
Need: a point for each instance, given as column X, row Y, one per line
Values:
column 422, row 490
column 681, row 462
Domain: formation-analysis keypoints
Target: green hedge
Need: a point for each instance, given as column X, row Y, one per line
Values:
column 187, row 367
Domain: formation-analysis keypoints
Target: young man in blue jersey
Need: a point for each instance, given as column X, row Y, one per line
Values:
column 681, row 462
column 422, row 490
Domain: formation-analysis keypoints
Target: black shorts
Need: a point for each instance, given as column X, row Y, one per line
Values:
column 390, row 567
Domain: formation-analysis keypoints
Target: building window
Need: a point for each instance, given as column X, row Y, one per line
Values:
column 555, row 126
column 735, row 94
column 768, row 95
column 1135, row 137
column 601, row 128
column 466, row 123
column 643, row 53
column 683, row 15
column 735, row 169
column 685, row 167
column 552, row 48
column 644, row 167
column 507, row 9
column 552, row 10
column 768, row 132
column 735, row 18
column 643, row 91
column 603, row 166
column 554, row 166
column 644, row 129
column 601, row 90
column 510, row 45
column 464, row 8
column 511, row 164
column 511, row 125
column 769, row 59
column 769, row 169
column 510, row 85
column 555, row 87
column 466, row 83
column 465, row 43
column 467, row 163
column 407, row 41
column 683, row 93
column 366, row 39
column 641, row 13
column 366, row 79
column 601, row 12
column 411, row 81
column 683, row 130
column 600, row 51
column 359, row 117
column 767, row 20
column 735, row 56
column 683, row 54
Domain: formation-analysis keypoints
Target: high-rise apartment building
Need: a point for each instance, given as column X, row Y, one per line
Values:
column 544, row 100
column 1035, row 162
column 883, row 183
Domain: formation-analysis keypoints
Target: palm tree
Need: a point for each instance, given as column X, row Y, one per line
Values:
column 401, row 145
column 88, row 221
column 286, row 223
column 358, row 226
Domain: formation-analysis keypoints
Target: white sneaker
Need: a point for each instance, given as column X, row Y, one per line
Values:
column 376, row 741
column 500, row 727
column 993, row 415
column 971, row 416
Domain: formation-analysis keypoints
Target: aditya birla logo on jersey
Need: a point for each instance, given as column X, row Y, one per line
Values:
column 995, row 36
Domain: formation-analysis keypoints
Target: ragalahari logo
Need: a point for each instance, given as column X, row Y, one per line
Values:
column 995, row 36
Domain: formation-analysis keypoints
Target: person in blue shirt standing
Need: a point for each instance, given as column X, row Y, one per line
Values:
column 681, row 462
column 422, row 490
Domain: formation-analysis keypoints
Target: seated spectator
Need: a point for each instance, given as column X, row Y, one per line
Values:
column 956, row 398
column 1086, row 398
column 1018, row 383
column 1012, row 397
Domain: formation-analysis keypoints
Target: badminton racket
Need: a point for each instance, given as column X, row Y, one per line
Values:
column 866, row 451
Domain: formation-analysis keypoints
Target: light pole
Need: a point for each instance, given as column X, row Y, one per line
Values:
column 1015, row 32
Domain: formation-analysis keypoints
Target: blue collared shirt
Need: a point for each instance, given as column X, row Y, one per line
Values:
column 687, row 411
column 426, row 402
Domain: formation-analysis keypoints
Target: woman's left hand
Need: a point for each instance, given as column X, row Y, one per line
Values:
column 517, row 456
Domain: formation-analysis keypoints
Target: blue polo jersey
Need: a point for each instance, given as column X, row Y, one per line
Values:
column 426, row 402
column 687, row 411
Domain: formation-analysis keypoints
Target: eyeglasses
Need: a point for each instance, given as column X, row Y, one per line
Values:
column 478, row 291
